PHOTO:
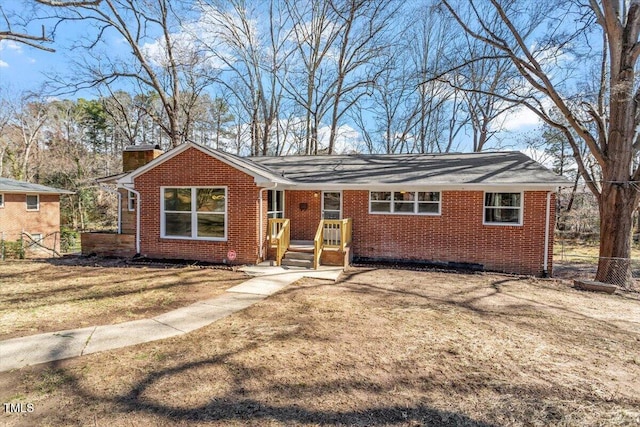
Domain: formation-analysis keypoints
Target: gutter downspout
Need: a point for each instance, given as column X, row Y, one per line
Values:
column 545, row 265
column 109, row 190
column 260, row 199
column 138, row 202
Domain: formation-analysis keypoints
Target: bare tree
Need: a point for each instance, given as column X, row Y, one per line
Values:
column 478, row 81
column 439, row 115
column 363, row 27
column 162, row 61
column 24, row 133
column 124, row 116
column 37, row 41
column 316, row 29
column 5, row 119
column 253, row 56
column 386, row 115
column 606, row 120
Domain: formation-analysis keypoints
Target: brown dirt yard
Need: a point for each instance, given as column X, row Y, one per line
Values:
column 381, row 347
column 74, row 292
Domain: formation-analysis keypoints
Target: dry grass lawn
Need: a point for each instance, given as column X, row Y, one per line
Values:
column 53, row 295
column 378, row 348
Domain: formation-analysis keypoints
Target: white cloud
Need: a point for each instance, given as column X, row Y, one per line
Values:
column 519, row 118
column 347, row 141
column 183, row 50
column 9, row 46
column 12, row 45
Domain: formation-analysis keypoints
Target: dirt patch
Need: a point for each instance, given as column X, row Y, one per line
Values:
column 73, row 292
column 379, row 348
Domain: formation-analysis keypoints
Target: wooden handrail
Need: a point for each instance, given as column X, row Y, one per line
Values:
column 274, row 225
column 278, row 236
column 318, row 245
column 281, row 241
column 331, row 233
column 338, row 233
column 346, row 232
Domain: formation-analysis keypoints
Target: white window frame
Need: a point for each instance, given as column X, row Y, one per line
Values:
column 270, row 209
column 1, row 200
column 131, row 201
column 322, row 203
column 26, row 198
column 501, row 224
column 194, row 214
column 415, row 203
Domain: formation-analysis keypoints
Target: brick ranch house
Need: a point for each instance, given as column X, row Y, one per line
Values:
column 30, row 211
column 492, row 211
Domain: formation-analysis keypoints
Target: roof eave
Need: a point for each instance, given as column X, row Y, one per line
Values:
column 21, row 191
column 548, row 186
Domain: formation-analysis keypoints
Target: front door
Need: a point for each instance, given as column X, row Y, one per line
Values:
column 331, row 205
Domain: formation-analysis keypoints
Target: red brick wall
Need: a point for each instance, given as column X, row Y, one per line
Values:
column 193, row 168
column 304, row 223
column 14, row 218
column 457, row 235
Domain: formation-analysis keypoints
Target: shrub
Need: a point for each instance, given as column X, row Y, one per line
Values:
column 68, row 239
column 12, row 250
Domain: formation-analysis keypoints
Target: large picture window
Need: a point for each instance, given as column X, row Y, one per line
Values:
column 405, row 202
column 194, row 213
column 503, row 208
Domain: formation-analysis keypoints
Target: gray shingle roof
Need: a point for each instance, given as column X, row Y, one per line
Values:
column 8, row 185
column 256, row 168
column 490, row 168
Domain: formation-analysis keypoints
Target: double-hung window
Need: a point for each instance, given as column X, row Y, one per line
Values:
column 405, row 202
column 33, row 202
column 503, row 208
column 194, row 213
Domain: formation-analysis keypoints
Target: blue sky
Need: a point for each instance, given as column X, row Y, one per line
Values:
column 24, row 68
column 21, row 66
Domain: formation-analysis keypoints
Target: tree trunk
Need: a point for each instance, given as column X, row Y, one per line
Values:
column 617, row 206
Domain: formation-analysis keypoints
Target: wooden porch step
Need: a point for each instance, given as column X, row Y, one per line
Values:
column 301, row 246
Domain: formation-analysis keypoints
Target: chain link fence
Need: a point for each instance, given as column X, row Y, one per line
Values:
column 575, row 260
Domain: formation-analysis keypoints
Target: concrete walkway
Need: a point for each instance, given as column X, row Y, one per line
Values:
column 18, row 352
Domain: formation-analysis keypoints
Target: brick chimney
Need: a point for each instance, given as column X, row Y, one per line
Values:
column 135, row 156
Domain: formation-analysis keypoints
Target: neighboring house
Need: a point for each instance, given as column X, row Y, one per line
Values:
column 492, row 211
column 32, row 209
